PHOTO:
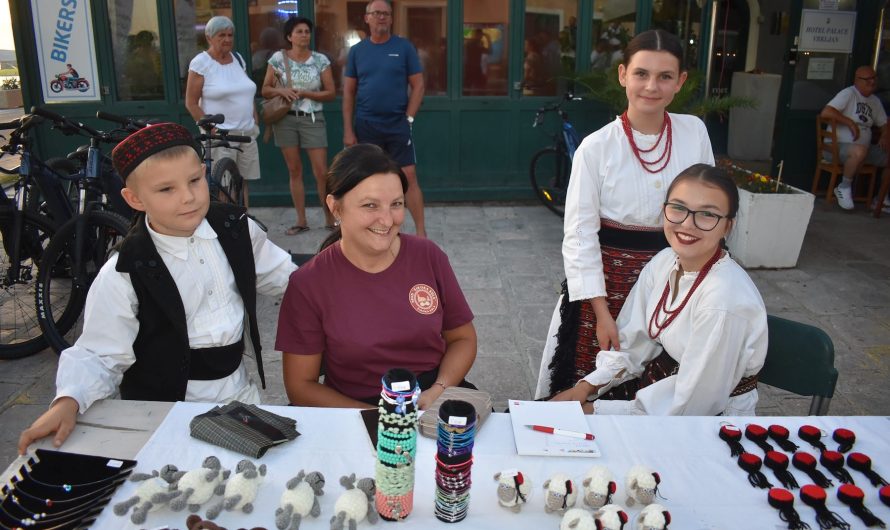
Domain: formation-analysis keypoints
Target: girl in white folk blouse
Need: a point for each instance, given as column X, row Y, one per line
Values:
column 613, row 206
column 693, row 331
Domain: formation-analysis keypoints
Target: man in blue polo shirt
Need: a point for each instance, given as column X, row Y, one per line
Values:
column 378, row 72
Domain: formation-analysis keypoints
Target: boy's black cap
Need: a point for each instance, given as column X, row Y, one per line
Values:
column 147, row 141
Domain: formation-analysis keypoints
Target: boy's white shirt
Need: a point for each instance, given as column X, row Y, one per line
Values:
column 92, row 369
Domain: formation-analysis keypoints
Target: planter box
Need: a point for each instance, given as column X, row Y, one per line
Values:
column 770, row 228
column 11, row 99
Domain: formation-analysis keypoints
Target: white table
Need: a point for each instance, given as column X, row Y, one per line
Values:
column 701, row 484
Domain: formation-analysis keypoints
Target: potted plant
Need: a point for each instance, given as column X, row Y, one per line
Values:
column 771, row 222
column 10, row 93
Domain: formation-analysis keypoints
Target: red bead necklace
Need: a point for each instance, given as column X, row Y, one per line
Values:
column 673, row 313
column 650, row 165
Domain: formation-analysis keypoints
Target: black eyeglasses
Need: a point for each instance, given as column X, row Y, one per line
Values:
column 380, row 14
column 869, row 79
column 702, row 219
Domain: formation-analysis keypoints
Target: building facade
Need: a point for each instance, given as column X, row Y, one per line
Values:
column 488, row 66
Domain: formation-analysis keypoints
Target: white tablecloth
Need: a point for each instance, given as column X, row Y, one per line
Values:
column 701, row 484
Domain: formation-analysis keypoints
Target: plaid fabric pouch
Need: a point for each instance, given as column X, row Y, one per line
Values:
column 246, row 429
column 480, row 400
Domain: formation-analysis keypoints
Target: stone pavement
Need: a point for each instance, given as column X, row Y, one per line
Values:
column 507, row 258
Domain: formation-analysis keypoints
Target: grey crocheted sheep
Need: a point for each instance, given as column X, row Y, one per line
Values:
column 299, row 500
column 197, row 486
column 240, row 490
column 355, row 504
column 153, row 493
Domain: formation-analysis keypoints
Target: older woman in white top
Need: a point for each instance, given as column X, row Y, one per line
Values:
column 693, row 331
column 218, row 84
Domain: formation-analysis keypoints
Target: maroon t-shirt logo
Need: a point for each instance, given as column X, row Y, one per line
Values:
column 423, row 299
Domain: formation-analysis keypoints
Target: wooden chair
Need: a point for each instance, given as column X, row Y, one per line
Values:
column 826, row 143
column 800, row 359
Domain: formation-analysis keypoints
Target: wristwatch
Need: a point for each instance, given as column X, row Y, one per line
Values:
column 410, row 120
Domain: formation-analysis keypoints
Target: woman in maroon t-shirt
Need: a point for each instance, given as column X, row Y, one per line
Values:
column 372, row 299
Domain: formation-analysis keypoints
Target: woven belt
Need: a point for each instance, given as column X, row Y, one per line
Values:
column 747, row 384
column 299, row 113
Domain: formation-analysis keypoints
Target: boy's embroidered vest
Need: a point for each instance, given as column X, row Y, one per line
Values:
column 163, row 356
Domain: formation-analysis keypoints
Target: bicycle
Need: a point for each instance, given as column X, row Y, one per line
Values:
column 24, row 235
column 551, row 167
column 223, row 177
column 82, row 245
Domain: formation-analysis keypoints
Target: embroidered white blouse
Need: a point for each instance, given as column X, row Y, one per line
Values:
column 718, row 338
column 608, row 181
column 93, row 367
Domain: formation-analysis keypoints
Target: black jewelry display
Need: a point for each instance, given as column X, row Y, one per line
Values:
column 58, row 490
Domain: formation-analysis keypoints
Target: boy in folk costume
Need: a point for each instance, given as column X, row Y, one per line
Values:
column 169, row 316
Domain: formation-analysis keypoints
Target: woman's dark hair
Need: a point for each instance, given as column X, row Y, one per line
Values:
column 655, row 40
column 353, row 165
column 712, row 176
column 293, row 22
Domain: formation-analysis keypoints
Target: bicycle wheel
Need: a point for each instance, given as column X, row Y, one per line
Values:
column 62, row 286
column 227, row 184
column 549, row 173
column 20, row 333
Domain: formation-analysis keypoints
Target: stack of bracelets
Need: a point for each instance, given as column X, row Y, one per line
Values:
column 454, row 458
column 396, row 444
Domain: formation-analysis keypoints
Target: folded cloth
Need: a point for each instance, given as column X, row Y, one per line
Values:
column 480, row 400
column 246, row 429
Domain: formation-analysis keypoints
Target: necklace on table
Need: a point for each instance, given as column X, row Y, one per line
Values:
column 671, row 314
column 50, row 502
column 657, row 165
column 67, row 488
column 68, row 515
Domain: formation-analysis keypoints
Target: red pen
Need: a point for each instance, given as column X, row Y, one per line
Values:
column 561, row 432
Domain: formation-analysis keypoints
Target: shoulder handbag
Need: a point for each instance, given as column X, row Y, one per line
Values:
column 275, row 108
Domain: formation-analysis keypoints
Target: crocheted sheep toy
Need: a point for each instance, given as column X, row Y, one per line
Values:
column 577, row 519
column 653, row 517
column 299, row 500
column 513, row 489
column 196, row 486
column 561, row 493
column 642, row 485
column 240, row 490
column 599, row 486
column 610, row 517
column 355, row 504
column 153, row 493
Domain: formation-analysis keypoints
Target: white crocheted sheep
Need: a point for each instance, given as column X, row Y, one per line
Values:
column 195, row 486
column 355, row 504
column 599, row 486
column 153, row 493
column 610, row 517
column 561, row 493
column 513, row 489
column 299, row 500
column 642, row 485
column 653, row 517
column 577, row 519
column 240, row 490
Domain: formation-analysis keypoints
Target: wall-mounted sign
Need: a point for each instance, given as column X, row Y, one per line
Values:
column 827, row 31
column 66, row 51
column 820, row 68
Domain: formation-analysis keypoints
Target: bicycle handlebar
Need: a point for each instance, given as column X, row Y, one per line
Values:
column 14, row 124
column 70, row 126
column 129, row 124
column 237, row 138
column 207, row 122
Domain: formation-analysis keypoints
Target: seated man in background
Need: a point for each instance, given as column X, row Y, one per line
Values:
column 857, row 110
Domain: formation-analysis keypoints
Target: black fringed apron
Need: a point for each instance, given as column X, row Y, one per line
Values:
column 626, row 250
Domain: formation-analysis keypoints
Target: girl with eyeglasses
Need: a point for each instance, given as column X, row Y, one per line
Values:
column 613, row 206
column 693, row 331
